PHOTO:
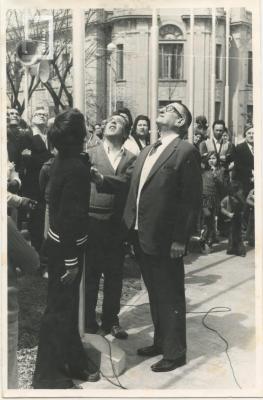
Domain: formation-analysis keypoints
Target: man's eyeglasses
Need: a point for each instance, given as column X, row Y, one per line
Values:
column 40, row 114
column 171, row 108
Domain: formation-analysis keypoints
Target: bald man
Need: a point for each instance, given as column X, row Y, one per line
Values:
column 163, row 201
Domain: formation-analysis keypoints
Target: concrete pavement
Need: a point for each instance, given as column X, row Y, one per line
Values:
column 213, row 280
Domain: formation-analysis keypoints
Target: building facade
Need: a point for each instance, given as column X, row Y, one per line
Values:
column 118, row 69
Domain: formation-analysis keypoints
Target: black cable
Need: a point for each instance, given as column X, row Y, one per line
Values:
column 211, row 310
column 112, row 366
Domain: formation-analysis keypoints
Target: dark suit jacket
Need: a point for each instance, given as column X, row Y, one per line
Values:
column 33, row 165
column 170, row 198
column 244, row 164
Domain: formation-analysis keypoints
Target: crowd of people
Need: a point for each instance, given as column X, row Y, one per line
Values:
column 98, row 190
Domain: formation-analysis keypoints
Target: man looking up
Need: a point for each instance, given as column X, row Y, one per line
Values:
column 163, row 202
column 111, row 176
column 33, row 158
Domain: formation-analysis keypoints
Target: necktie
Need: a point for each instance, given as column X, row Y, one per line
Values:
column 154, row 148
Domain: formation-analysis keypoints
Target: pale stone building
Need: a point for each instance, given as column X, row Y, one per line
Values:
column 121, row 76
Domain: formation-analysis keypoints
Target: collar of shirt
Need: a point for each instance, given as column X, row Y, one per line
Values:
column 167, row 139
column 114, row 158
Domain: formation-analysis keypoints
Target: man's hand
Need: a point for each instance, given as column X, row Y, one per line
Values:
column 231, row 215
column 69, row 276
column 28, row 204
column 177, row 250
column 96, row 177
column 26, row 152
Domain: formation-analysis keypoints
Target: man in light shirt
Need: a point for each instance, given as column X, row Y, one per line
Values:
column 163, row 202
column 111, row 171
column 223, row 150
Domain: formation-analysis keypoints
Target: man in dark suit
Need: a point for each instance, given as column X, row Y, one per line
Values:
column 244, row 161
column 111, row 172
column 33, row 158
column 163, row 202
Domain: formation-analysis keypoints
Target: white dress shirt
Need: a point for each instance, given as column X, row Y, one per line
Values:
column 113, row 157
column 147, row 166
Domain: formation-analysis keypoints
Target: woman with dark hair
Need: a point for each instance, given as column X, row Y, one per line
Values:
column 61, row 355
column 140, row 136
column 212, row 177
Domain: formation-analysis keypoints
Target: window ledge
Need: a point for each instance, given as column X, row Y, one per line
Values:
column 120, row 80
column 171, row 80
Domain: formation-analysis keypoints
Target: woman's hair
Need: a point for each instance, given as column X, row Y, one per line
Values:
column 247, row 127
column 208, row 156
column 137, row 119
column 68, row 131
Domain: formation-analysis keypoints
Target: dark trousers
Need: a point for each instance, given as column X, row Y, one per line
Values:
column 235, row 240
column 164, row 280
column 36, row 226
column 59, row 340
column 105, row 256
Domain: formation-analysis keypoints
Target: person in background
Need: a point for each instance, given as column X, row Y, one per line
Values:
column 198, row 138
column 201, row 126
column 160, row 213
column 98, row 131
column 250, row 234
column 232, row 208
column 92, row 139
column 212, row 177
column 34, row 157
column 18, row 139
column 139, row 136
column 61, row 356
column 111, row 171
column 216, row 144
column 244, row 161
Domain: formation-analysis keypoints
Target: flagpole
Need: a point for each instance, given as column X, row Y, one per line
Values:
column 191, row 75
column 154, row 75
column 78, row 47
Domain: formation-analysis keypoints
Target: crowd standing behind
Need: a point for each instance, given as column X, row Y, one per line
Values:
column 64, row 200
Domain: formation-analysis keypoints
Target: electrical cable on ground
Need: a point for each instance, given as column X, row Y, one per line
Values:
column 211, row 310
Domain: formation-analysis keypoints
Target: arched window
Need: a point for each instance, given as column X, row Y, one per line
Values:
column 171, row 52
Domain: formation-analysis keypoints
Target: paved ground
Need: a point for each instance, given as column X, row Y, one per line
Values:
column 213, row 280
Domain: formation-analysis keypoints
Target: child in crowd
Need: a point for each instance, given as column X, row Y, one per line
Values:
column 232, row 207
column 250, row 235
column 212, row 187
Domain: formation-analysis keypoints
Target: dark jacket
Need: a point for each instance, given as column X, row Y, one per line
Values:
column 170, row 198
column 69, row 204
column 244, row 164
column 33, row 164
